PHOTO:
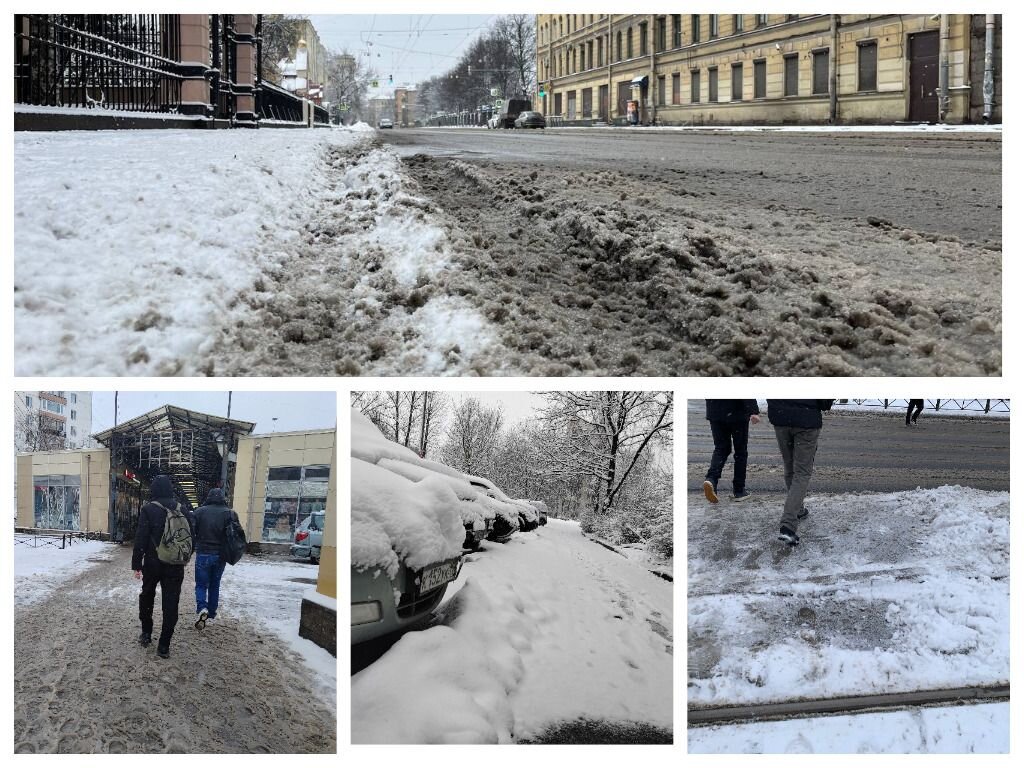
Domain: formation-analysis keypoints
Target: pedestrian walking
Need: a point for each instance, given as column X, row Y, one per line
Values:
column 163, row 546
column 730, row 427
column 911, row 406
column 212, row 520
column 797, row 427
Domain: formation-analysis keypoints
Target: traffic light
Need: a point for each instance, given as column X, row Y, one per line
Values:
column 542, row 91
column 390, row 79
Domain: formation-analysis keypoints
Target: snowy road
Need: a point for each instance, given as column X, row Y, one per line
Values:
column 83, row 684
column 885, row 593
column 550, row 632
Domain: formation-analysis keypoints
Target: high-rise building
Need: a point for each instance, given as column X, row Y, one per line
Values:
column 47, row 421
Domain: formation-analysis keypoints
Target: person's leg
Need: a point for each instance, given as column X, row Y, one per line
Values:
column 721, row 434
column 910, row 409
column 918, row 409
column 740, row 435
column 203, row 563
column 784, row 437
column 216, row 571
column 805, row 445
column 170, row 587
column 150, row 578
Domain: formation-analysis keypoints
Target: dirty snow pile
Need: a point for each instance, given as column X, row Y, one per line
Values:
column 886, row 593
column 394, row 519
column 980, row 728
column 39, row 571
column 131, row 247
column 544, row 630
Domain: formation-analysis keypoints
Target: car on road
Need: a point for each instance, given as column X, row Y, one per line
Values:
column 385, row 123
column 494, row 122
column 530, row 120
column 510, row 110
column 542, row 510
column 309, row 535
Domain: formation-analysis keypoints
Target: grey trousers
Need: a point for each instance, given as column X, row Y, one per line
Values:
column 798, row 447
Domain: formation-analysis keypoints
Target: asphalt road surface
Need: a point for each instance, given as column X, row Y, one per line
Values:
column 940, row 183
column 869, row 451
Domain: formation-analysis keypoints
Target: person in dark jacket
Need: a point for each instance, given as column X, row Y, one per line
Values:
column 730, row 428
column 211, row 520
column 911, row 406
column 797, row 426
column 152, row 571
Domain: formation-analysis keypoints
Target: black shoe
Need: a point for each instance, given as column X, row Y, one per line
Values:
column 163, row 651
column 145, row 639
column 741, row 495
column 710, row 492
column 786, row 536
column 802, row 513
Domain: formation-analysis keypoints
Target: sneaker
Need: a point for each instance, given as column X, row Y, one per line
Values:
column 710, row 492
column 210, row 621
column 145, row 639
column 801, row 514
column 163, row 651
column 201, row 619
column 742, row 496
column 786, row 536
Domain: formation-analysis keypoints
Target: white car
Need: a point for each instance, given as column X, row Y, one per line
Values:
column 385, row 123
column 493, row 122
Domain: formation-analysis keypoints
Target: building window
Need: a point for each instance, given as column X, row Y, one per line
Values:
column 713, row 84
column 737, row 22
column 28, row 401
column 600, row 51
column 570, row 109
column 292, row 495
column 660, row 34
column 761, row 19
column 713, row 26
column 694, row 28
column 661, row 91
column 643, row 38
column 52, row 407
column 558, row 103
column 73, row 432
column 737, row 82
column 618, row 45
column 56, row 502
column 819, row 72
column 74, row 398
column 760, row 79
column 677, row 30
column 629, row 43
column 74, row 414
column 867, row 66
column 791, row 75
column 588, row 102
column 695, row 86
column 676, row 89
column 590, row 54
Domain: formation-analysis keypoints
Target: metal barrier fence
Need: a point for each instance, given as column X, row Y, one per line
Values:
column 49, row 538
column 112, row 61
column 965, row 406
column 276, row 103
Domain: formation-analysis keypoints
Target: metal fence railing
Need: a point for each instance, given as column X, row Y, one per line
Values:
column 276, row 103
column 38, row 538
column 110, row 61
column 953, row 405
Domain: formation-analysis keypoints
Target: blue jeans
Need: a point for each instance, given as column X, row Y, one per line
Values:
column 209, row 569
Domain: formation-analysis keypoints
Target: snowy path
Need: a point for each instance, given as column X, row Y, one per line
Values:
column 972, row 728
column 83, row 684
column 548, row 629
column 886, row 593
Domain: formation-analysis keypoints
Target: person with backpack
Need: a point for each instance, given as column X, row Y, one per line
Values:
column 730, row 428
column 216, row 526
column 163, row 547
column 797, row 427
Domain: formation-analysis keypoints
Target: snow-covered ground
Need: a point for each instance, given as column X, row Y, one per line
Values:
column 922, row 128
column 544, row 630
column 39, row 571
column 977, row 728
column 885, row 593
column 174, row 252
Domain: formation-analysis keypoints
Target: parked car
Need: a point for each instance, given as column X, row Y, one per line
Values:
column 530, row 120
column 494, row 122
column 510, row 110
column 309, row 536
column 542, row 510
column 385, row 123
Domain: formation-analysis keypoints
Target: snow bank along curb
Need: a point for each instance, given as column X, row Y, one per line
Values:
column 40, row 571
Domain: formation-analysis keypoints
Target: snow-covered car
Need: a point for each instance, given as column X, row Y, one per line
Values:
column 385, row 123
column 309, row 535
column 528, row 513
column 406, row 538
column 542, row 510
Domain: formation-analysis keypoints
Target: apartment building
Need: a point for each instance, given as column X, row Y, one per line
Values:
column 708, row 69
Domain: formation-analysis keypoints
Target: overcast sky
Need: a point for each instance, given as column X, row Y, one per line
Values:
column 293, row 410
column 409, row 48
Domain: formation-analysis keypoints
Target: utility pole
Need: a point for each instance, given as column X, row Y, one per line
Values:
column 227, row 452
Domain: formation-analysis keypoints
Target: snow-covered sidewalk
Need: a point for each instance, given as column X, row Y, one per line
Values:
column 170, row 252
column 548, row 629
column 963, row 729
column 885, row 593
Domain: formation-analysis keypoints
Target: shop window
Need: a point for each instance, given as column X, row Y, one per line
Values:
column 695, row 86
column 676, row 89
column 57, row 502
column 713, row 84
column 292, row 495
column 661, row 91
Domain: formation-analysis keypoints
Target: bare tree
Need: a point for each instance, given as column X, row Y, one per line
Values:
column 34, row 432
column 407, row 418
column 348, row 82
column 472, row 438
column 518, row 31
column 280, row 37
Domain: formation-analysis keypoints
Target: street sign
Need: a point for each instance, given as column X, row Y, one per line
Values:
column 498, row 102
column 374, row 84
column 494, row 91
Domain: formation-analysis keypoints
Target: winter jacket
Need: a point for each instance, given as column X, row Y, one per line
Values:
column 151, row 522
column 804, row 414
column 211, row 519
column 730, row 411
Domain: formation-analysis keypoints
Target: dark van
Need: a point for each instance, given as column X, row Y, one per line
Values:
column 511, row 110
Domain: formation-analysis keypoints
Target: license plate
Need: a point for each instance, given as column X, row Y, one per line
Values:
column 435, row 576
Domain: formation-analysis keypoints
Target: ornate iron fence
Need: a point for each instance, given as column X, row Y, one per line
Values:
column 276, row 103
column 111, row 61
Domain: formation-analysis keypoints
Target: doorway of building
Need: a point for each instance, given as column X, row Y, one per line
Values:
column 923, row 50
column 602, row 103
